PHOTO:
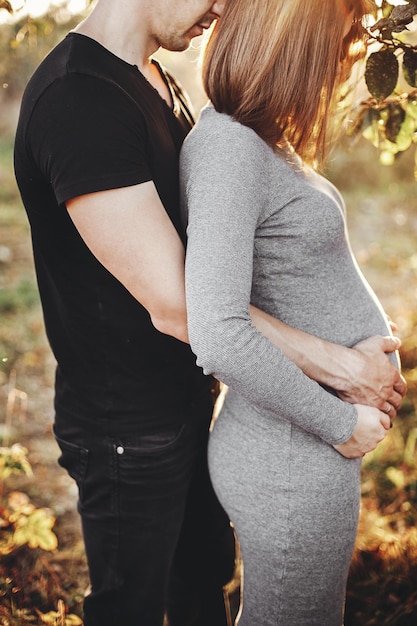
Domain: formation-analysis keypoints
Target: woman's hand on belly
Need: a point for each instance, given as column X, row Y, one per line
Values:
column 370, row 429
column 371, row 378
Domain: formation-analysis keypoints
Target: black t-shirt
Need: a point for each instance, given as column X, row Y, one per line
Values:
column 89, row 122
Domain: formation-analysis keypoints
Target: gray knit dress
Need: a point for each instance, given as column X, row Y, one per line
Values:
column 263, row 229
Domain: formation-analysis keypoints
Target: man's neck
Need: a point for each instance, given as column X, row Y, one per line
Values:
column 107, row 25
column 120, row 32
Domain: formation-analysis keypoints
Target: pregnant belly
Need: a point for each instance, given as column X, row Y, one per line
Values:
column 345, row 315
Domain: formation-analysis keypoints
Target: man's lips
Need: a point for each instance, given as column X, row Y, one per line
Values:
column 202, row 26
column 206, row 22
column 198, row 27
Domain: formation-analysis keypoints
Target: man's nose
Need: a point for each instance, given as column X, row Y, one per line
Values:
column 218, row 7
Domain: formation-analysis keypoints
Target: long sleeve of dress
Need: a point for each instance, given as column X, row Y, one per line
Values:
column 225, row 182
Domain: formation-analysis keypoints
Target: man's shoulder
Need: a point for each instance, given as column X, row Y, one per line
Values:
column 52, row 67
column 75, row 56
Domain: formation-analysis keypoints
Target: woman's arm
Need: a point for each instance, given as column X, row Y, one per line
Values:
column 225, row 182
column 362, row 375
column 225, row 192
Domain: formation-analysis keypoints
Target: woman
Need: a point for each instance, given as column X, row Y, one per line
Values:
column 266, row 229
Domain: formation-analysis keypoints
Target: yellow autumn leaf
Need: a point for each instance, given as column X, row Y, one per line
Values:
column 73, row 620
column 13, row 460
column 7, row 544
column 20, row 505
column 53, row 616
column 396, row 476
column 35, row 530
column 49, row 618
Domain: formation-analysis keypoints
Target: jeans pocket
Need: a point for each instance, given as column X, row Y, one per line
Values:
column 152, row 472
column 74, row 459
column 151, row 443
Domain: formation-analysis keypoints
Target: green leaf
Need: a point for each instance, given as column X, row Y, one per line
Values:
column 381, row 73
column 396, row 116
column 406, row 134
column 410, row 66
column 394, row 19
column 415, row 164
column 387, row 147
column 387, row 158
column 403, row 13
column 386, row 8
column 371, row 126
column 412, row 108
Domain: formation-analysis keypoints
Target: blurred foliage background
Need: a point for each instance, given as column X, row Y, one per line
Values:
column 43, row 573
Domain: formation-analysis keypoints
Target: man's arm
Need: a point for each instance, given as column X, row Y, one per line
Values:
column 362, row 375
column 130, row 233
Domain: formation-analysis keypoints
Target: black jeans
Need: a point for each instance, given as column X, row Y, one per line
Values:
column 156, row 537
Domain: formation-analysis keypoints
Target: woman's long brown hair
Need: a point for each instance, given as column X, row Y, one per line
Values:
column 274, row 65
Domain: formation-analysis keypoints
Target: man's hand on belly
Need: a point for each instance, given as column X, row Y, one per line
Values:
column 371, row 378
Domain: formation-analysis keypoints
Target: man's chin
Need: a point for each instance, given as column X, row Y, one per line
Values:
column 179, row 45
column 185, row 45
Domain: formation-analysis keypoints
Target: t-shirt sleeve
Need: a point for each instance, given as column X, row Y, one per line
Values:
column 224, row 184
column 86, row 135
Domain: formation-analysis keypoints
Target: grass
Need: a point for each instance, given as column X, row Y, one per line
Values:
column 382, row 587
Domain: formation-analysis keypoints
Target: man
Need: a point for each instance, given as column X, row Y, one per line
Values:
column 96, row 160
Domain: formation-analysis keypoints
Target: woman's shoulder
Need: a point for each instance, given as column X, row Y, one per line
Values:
column 220, row 130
